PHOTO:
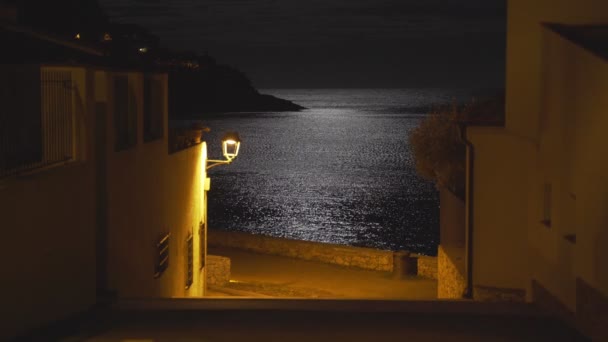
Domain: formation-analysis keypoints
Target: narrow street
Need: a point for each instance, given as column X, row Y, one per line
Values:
column 255, row 274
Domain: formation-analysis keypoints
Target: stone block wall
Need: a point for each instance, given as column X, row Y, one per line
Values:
column 496, row 294
column 451, row 282
column 365, row 258
column 218, row 270
column 427, row 266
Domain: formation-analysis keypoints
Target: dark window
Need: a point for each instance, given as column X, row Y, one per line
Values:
column 189, row 262
column 154, row 105
column 125, row 114
column 36, row 119
column 20, row 118
column 162, row 256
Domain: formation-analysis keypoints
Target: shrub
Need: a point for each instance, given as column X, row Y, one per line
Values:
column 438, row 149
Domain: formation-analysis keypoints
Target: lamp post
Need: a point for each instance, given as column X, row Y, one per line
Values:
column 230, row 148
column 231, row 144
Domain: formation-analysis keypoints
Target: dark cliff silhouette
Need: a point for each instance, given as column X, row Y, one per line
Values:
column 197, row 84
column 213, row 88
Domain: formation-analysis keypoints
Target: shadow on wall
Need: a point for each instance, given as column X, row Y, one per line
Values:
column 601, row 239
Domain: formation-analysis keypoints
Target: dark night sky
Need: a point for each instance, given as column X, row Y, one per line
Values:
column 336, row 43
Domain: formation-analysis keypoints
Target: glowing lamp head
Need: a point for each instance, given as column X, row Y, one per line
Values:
column 230, row 145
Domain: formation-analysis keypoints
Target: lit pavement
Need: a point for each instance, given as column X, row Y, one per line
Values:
column 278, row 276
column 320, row 320
column 263, row 318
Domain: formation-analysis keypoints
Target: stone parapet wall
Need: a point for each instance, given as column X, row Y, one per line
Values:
column 451, row 281
column 218, row 270
column 497, row 294
column 427, row 266
column 365, row 258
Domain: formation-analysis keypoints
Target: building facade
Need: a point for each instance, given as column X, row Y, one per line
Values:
column 538, row 185
column 94, row 202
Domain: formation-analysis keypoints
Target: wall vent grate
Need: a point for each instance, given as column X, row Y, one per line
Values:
column 162, row 255
column 189, row 261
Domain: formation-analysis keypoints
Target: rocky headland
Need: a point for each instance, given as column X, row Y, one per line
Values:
column 198, row 85
column 211, row 88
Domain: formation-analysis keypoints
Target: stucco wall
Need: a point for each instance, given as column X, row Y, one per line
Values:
column 524, row 52
column 48, row 234
column 366, row 258
column 451, row 219
column 151, row 193
column 589, row 170
column 572, row 159
column 526, row 96
column 555, row 113
column 57, row 220
column 500, row 213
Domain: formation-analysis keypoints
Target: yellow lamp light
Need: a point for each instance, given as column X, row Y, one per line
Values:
column 230, row 145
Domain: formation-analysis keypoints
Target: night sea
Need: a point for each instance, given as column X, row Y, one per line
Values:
column 340, row 171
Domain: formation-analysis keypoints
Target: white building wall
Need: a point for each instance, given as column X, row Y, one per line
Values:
column 151, row 193
column 524, row 31
column 47, row 220
column 573, row 160
column 517, row 156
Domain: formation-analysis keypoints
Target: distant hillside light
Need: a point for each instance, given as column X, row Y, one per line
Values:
column 107, row 37
column 143, row 49
column 231, row 143
column 77, row 36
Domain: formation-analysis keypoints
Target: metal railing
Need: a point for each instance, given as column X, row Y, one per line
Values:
column 34, row 137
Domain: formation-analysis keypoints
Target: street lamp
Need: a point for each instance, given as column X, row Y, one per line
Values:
column 230, row 148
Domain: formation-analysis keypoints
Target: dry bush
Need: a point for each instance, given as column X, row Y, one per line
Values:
column 438, row 149
column 437, row 145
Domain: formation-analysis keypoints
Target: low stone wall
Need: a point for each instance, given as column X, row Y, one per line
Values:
column 365, row 258
column 496, row 294
column 218, row 270
column 427, row 266
column 451, row 281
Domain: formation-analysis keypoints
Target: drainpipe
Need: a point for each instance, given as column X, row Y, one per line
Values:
column 469, row 212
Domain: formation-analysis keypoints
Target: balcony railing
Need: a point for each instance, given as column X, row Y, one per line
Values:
column 37, row 124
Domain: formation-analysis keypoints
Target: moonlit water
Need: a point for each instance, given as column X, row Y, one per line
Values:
column 339, row 172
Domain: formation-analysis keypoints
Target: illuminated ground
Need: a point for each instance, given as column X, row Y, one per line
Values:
column 309, row 320
column 263, row 318
column 278, row 276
